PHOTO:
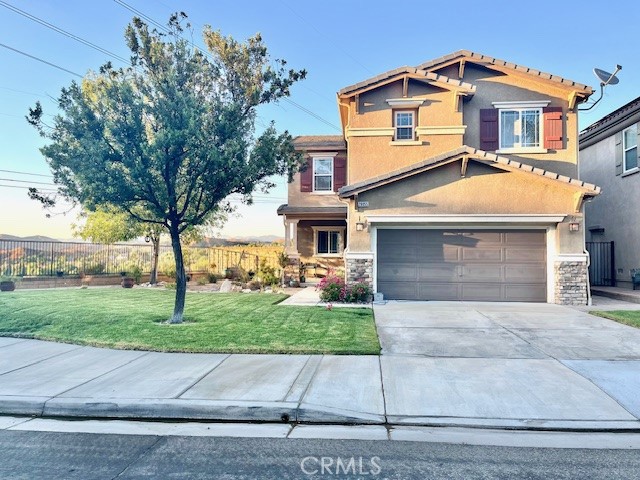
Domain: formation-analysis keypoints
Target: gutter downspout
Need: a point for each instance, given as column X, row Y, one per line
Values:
column 585, row 251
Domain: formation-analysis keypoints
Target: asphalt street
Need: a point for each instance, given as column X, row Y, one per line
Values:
column 53, row 455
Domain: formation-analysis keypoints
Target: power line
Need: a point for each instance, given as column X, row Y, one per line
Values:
column 27, row 173
column 21, row 91
column 61, row 31
column 26, row 181
column 45, row 190
column 139, row 13
column 314, row 115
column 40, row 60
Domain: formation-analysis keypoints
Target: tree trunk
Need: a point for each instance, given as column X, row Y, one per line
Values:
column 153, row 279
column 181, row 277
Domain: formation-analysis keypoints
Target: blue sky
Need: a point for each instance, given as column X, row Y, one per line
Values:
column 338, row 42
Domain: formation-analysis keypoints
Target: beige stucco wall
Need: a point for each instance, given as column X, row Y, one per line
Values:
column 374, row 155
column 484, row 190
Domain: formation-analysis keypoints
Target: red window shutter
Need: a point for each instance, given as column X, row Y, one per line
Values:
column 553, row 128
column 339, row 173
column 489, row 129
column 306, row 177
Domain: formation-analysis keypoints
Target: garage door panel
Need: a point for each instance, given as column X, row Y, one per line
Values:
column 437, row 272
column 532, row 254
column 448, row 253
column 491, row 254
column 434, row 291
column 398, row 272
column 483, row 237
column 482, row 273
column 402, row 254
column 489, row 292
column 525, row 273
column 525, row 293
column 400, row 290
column 514, row 237
column 416, row 264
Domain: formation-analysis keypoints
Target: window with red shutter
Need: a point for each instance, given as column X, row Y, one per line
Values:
column 553, row 137
column 306, row 177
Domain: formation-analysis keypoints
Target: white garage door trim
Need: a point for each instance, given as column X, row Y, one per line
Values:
column 478, row 224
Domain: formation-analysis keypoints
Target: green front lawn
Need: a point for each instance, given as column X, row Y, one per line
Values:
column 229, row 323
column 628, row 317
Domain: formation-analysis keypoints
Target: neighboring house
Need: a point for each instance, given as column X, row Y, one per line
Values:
column 609, row 156
column 452, row 180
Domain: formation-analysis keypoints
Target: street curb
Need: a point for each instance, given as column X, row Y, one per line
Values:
column 277, row 412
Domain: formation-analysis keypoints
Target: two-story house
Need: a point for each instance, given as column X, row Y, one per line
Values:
column 452, row 180
column 609, row 156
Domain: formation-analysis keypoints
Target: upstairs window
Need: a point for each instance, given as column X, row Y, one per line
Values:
column 630, row 148
column 323, row 174
column 520, row 128
column 528, row 126
column 404, row 124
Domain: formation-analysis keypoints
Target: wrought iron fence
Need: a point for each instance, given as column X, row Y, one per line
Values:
column 22, row 258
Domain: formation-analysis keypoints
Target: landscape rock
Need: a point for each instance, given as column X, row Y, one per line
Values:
column 226, row 286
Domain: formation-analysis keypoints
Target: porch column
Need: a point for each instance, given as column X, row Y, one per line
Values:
column 291, row 236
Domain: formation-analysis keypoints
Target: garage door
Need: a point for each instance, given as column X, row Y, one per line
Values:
column 489, row 265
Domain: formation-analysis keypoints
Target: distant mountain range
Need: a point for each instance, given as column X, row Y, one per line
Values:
column 33, row 238
column 206, row 242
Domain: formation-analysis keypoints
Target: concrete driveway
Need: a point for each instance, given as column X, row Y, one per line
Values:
column 505, row 360
column 501, row 330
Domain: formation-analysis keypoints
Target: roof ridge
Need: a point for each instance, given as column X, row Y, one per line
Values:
column 503, row 63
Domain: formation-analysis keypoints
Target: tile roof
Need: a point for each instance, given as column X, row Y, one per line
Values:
column 479, row 57
column 474, row 153
column 610, row 121
column 411, row 70
column 425, row 69
column 319, row 141
column 289, row 209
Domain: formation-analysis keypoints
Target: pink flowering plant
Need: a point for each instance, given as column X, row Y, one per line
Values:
column 334, row 289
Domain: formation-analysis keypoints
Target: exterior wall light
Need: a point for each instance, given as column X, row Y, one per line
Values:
column 360, row 226
column 574, row 227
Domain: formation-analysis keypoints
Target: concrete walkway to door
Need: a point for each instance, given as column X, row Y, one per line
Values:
column 503, row 360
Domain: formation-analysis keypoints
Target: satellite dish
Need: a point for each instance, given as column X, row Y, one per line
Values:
column 605, row 77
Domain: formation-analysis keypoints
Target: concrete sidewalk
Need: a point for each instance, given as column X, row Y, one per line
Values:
column 59, row 380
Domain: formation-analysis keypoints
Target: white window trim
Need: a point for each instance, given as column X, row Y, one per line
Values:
column 625, row 149
column 395, row 126
column 340, row 230
column 405, row 102
column 522, row 105
column 313, row 174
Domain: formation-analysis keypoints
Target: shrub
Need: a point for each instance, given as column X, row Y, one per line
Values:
column 136, row 273
column 202, row 281
column 334, row 289
column 358, row 293
column 212, row 277
column 267, row 273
